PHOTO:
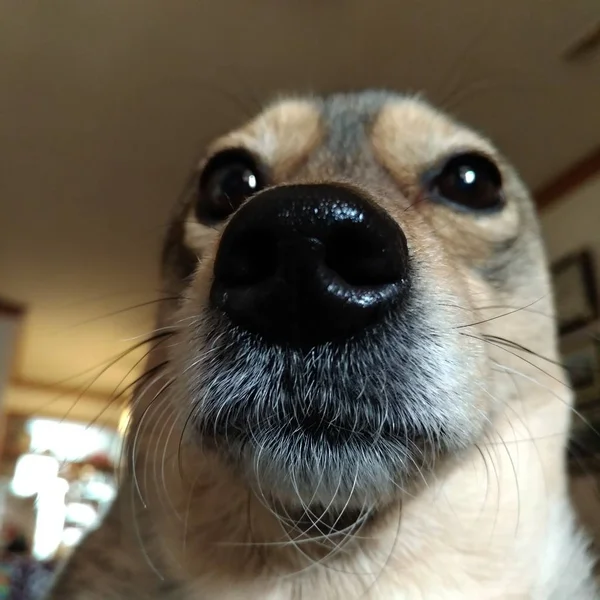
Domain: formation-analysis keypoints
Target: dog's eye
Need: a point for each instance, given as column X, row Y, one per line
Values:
column 228, row 179
column 469, row 181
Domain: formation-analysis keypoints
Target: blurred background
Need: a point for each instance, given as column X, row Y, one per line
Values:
column 105, row 107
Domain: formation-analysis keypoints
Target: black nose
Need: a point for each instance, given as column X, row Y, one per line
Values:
column 308, row 264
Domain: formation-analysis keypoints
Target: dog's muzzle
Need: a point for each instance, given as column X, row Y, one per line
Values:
column 304, row 265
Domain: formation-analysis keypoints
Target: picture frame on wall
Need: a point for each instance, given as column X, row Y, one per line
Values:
column 575, row 290
column 580, row 353
column 581, row 360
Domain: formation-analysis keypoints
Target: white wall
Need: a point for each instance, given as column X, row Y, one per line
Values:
column 573, row 222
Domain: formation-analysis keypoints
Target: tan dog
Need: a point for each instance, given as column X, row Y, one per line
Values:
column 354, row 390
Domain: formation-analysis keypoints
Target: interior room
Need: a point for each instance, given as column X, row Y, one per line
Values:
column 106, row 108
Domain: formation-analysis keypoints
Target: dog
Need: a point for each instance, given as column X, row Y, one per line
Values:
column 354, row 388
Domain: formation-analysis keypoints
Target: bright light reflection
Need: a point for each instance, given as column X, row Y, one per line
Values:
column 50, row 520
column 33, row 472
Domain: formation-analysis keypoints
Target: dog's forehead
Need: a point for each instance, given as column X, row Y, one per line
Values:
column 348, row 119
column 402, row 132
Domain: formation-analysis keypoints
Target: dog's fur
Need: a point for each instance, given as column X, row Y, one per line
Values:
column 474, row 507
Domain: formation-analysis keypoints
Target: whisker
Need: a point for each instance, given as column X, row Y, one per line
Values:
column 116, row 395
column 511, row 312
column 122, row 311
column 508, row 454
column 79, row 392
column 487, row 339
column 163, row 463
column 476, row 309
column 164, row 407
column 517, row 346
column 140, row 537
column 136, row 346
column 509, row 372
column 139, row 428
column 392, row 548
column 451, row 86
column 187, row 513
column 569, row 406
column 143, row 379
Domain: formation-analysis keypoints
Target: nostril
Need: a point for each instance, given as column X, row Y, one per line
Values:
column 252, row 259
column 360, row 258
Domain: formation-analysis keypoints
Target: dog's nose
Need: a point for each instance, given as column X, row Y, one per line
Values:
column 309, row 264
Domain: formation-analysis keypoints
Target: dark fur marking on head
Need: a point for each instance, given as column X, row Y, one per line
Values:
column 348, row 118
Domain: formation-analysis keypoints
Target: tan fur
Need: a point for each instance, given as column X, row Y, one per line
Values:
column 493, row 523
column 284, row 135
column 407, row 138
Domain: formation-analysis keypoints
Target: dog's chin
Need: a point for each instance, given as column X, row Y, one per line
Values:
column 334, row 469
column 341, row 429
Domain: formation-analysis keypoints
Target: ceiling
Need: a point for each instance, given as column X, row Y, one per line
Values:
column 105, row 105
